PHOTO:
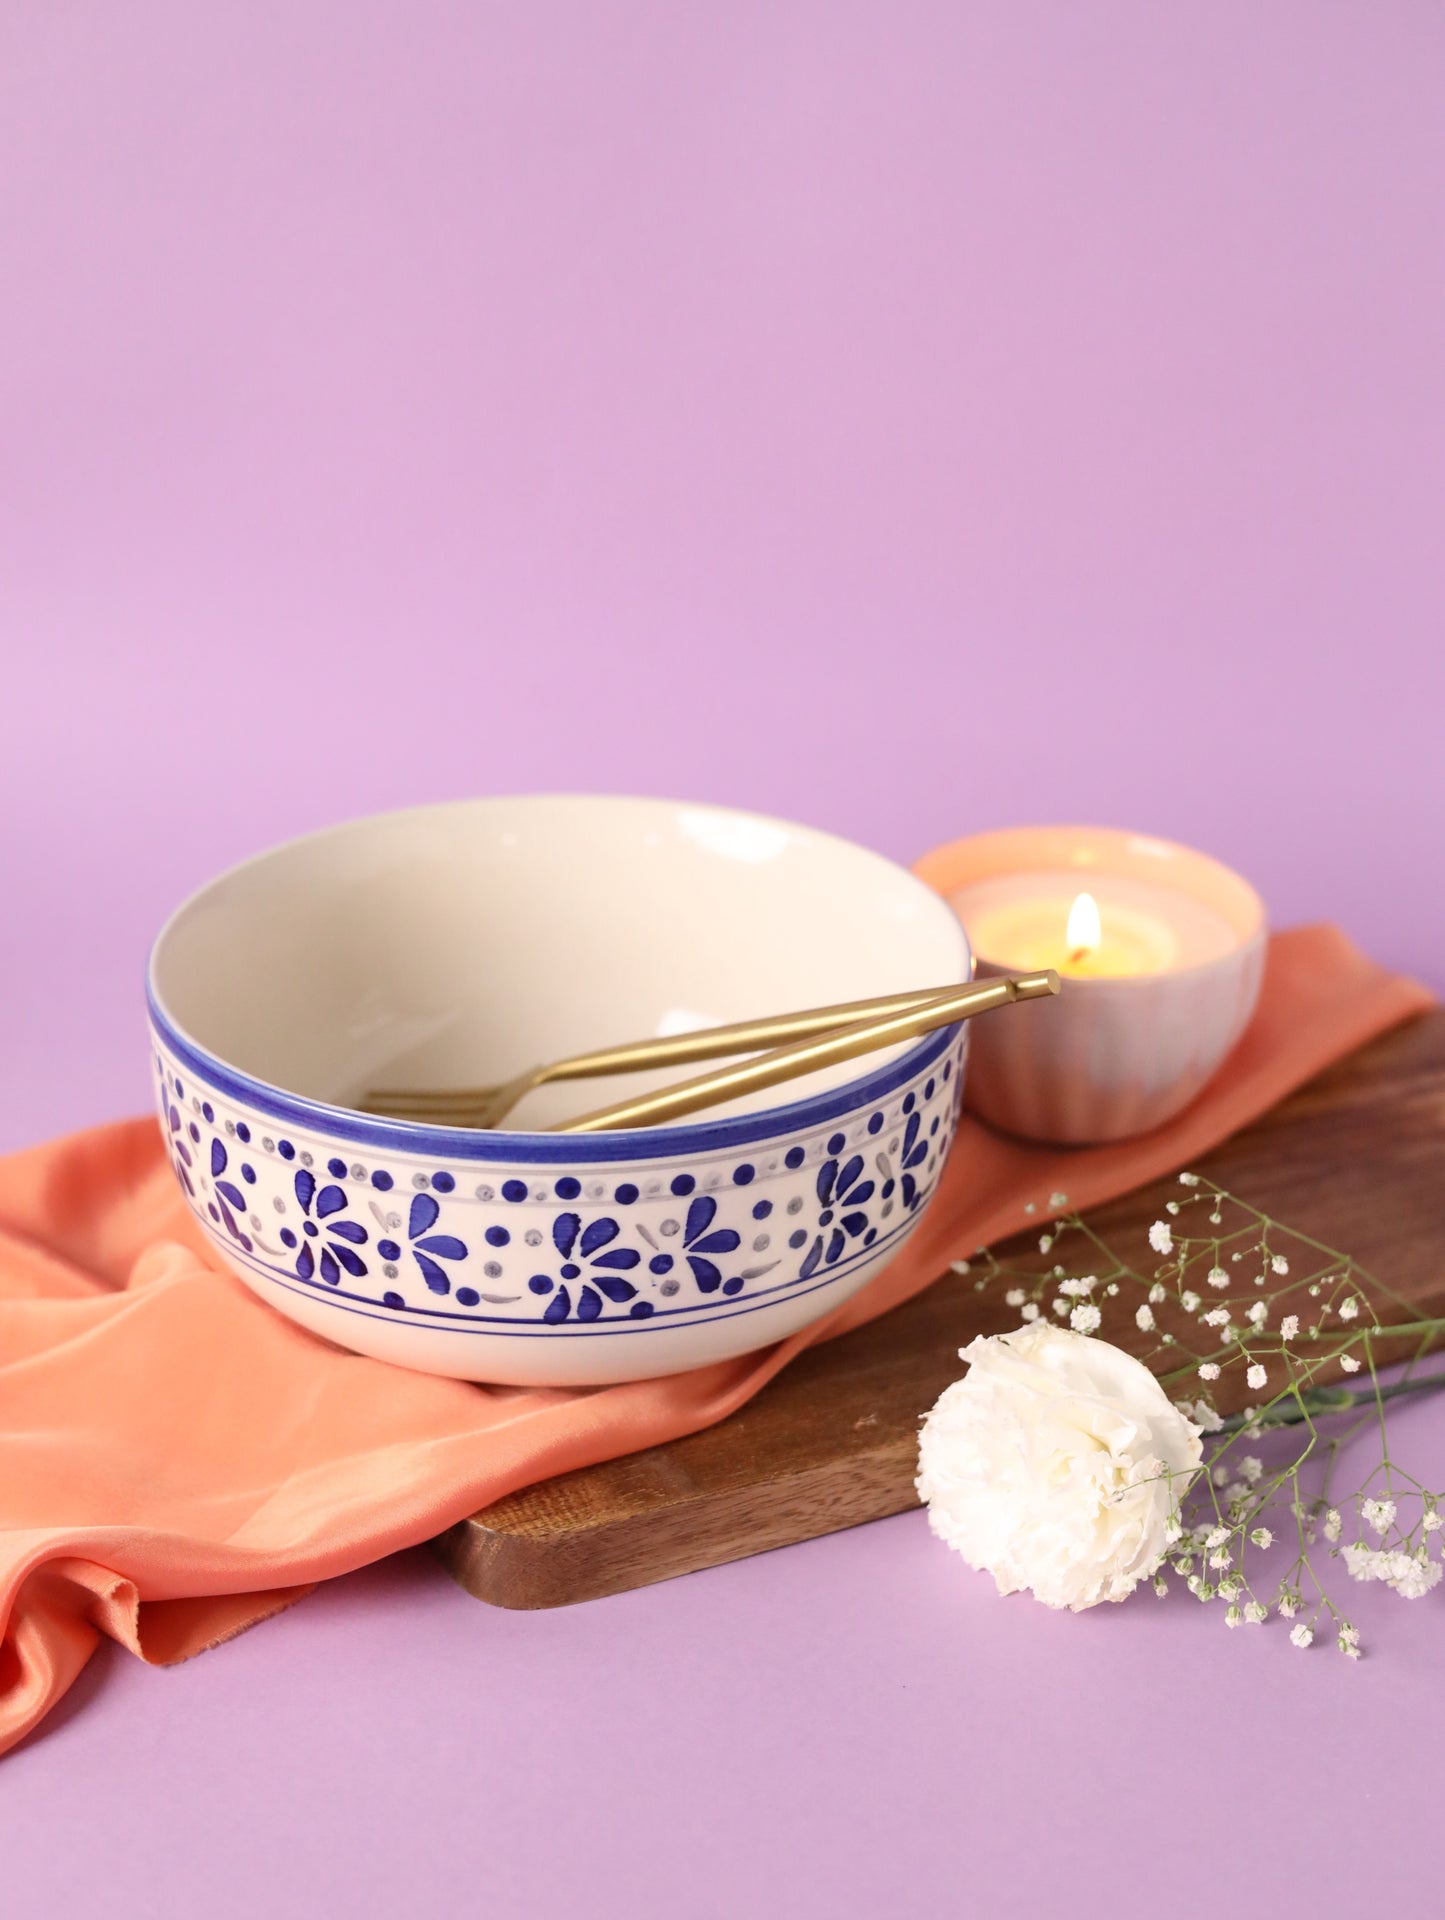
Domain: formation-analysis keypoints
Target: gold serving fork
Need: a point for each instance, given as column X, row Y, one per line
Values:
column 820, row 1050
column 845, row 1025
column 488, row 1106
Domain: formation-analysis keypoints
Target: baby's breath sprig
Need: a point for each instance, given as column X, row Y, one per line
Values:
column 1256, row 1331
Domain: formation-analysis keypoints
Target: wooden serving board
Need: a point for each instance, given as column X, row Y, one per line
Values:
column 1356, row 1159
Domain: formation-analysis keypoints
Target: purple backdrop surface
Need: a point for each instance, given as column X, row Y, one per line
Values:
column 908, row 419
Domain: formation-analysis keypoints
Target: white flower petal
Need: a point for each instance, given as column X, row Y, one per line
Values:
column 1056, row 1465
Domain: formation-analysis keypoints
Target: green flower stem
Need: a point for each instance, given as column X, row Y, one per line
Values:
column 1330, row 1400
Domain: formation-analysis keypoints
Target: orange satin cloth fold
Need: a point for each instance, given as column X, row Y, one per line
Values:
column 179, row 1461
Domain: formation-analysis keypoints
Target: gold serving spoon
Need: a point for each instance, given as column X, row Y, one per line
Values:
column 488, row 1106
column 806, row 1055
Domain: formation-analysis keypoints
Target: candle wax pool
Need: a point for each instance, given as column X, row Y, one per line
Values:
column 1019, row 920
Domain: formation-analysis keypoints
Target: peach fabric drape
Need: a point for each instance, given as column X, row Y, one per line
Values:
column 177, row 1461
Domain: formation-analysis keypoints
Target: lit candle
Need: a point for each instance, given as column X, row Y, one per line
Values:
column 1084, row 936
column 1118, row 926
column 1161, row 949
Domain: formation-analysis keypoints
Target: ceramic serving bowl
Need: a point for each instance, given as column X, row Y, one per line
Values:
column 456, row 945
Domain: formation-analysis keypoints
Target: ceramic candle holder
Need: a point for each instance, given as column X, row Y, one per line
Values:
column 1115, row 1054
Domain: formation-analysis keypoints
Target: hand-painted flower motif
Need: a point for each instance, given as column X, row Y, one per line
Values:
column 180, row 1152
column 726, row 1234
column 228, row 1196
column 427, row 1247
column 700, row 1239
column 589, row 1256
column 913, row 1153
column 329, row 1244
column 844, row 1193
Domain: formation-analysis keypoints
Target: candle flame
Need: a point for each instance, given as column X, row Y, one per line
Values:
column 1083, row 932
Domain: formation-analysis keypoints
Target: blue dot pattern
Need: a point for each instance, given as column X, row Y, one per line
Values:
column 597, row 1268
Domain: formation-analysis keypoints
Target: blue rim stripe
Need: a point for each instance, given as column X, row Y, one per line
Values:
column 543, row 1149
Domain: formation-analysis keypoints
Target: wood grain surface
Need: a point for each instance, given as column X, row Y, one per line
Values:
column 1356, row 1159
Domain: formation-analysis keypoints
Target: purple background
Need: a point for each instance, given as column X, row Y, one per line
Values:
column 909, row 419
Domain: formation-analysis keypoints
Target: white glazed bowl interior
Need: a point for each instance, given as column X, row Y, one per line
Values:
column 459, row 944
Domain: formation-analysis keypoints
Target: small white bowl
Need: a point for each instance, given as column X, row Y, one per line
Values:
column 459, row 944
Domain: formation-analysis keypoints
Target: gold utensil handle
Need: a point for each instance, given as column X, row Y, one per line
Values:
column 942, row 1009
column 740, row 1036
column 707, row 1043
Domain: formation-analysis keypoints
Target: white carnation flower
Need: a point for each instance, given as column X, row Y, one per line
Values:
column 1055, row 1464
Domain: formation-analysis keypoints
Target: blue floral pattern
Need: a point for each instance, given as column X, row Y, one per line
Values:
column 911, row 1156
column 329, row 1243
column 588, row 1257
column 229, row 1200
column 719, row 1234
column 181, row 1157
column 427, row 1248
column 843, row 1193
column 700, row 1241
